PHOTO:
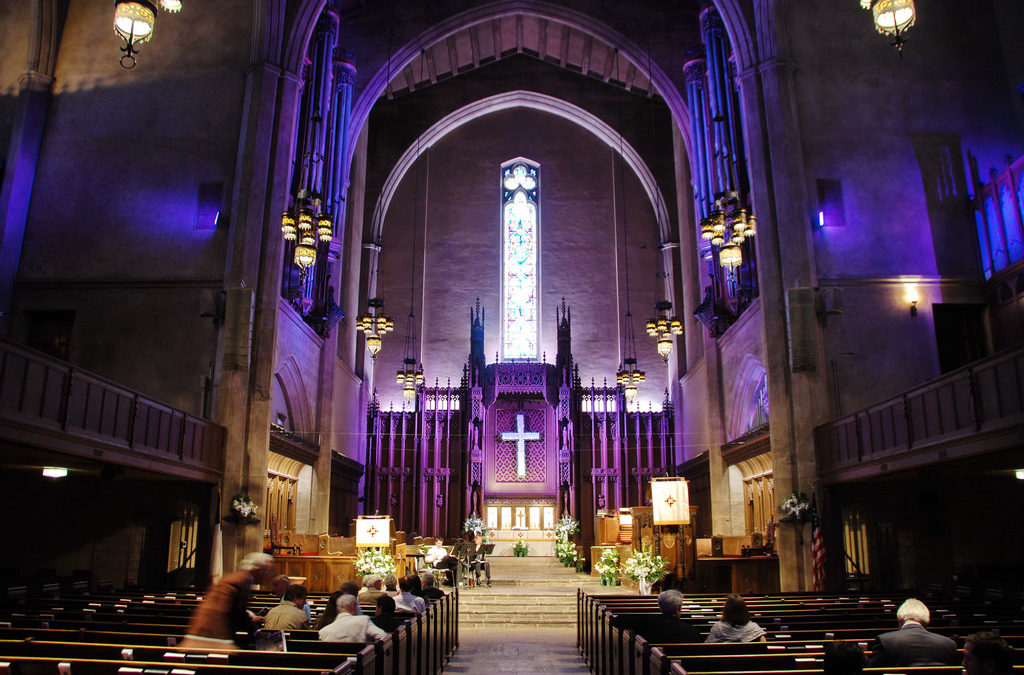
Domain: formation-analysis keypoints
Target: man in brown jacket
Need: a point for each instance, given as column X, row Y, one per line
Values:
column 223, row 612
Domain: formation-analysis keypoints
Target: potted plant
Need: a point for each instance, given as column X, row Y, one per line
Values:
column 796, row 509
column 608, row 567
column 645, row 568
column 520, row 549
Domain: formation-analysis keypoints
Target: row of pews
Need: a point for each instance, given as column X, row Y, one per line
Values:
column 137, row 633
column 799, row 626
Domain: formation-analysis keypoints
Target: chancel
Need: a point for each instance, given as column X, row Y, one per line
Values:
column 202, row 258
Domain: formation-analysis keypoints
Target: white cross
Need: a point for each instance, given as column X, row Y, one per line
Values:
column 520, row 436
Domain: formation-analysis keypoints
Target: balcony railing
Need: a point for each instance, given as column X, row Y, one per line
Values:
column 48, row 403
column 977, row 408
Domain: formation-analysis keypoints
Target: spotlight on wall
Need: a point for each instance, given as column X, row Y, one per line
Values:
column 55, row 471
column 1019, row 473
column 912, row 296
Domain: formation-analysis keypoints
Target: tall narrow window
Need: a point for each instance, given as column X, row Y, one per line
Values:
column 520, row 261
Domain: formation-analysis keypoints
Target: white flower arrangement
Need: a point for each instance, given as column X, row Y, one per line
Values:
column 244, row 508
column 566, row 527
column 796, row 509
column 374, row 561
column 520, row 549
column 566, row 553
column 608, row 567
column 474, row 523
column 645, row 567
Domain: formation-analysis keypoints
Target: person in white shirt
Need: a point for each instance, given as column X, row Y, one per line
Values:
column 348, row 627
column 406, row 601
column 438, row 558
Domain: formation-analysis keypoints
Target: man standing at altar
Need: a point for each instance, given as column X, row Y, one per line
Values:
column 438, row 558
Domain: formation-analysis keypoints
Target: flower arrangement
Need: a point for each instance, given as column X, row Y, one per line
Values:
column 565, row 550
column 645, row 568
column 566, row 553
column 243, row 508
column 796, row 509
column 475, row 522
column 566, row 527
column 608, row 567
column 520, row 549
column 374, row 561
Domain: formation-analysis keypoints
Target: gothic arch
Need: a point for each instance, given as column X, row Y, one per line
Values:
column 534, row 101
column 300, row 412
column 743, row 401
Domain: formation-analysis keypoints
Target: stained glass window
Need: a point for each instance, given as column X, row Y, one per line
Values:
column 520, row 261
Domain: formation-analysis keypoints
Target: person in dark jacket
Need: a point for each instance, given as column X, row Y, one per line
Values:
column 666, row 627
column 913, row 644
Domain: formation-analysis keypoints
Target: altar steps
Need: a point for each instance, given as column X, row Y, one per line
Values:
column 537, row 592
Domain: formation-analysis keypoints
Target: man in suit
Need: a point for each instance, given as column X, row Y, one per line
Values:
column 349, row 627
column 665, row 627
column 912, row 644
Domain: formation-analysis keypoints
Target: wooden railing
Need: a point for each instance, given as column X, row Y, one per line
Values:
column 977, row 408
column 51, row 404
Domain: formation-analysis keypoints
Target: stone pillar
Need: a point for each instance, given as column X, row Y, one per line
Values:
column 254, row 261
column 785, row 260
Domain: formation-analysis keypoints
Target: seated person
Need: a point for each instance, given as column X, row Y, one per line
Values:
column 985, row 653
column 665, row 627
column 330, row 612
column 438, row 558
column 912, row 644
column 372, row 588
column 291, row 613
column 477, row 559
column 843, row 657
column 348, row 627
column 735, row 625
column 430, row 591
column 407, row 602
column 391, row 584
column 384, row 616
column 352, row 588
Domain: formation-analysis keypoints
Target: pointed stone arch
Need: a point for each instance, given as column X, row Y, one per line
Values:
column 743, row 401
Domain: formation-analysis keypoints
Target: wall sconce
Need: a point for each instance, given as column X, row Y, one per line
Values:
column 55, row 471
column 912, row 297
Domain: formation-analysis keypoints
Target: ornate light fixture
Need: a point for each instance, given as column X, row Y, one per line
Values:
column 662, row 327
column 297, row 225
column 892, row 17
column 410, row 376
column 374, row 325
column 134, row 21
column 629, row 374
column 729, row 225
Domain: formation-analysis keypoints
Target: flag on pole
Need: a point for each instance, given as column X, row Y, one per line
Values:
column 817, row 548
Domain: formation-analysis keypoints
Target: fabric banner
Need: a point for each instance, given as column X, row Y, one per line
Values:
column 373, row 531
column 671, row 500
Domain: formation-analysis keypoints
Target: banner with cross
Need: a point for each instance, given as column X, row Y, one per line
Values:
column 670, row 498
column 373, row 531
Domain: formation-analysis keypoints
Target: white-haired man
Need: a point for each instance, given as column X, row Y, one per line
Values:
column 349, row 627
column 912, row 644
column 371, row 590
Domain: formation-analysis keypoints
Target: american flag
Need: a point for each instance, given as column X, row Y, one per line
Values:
column 817, row 548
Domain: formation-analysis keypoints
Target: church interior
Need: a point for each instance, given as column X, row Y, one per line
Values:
column 514, row 260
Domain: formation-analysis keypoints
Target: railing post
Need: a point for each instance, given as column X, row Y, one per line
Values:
column 975, row 403
column 181, row 437
column 66, row 400
column 908, row 420
column 132, row 419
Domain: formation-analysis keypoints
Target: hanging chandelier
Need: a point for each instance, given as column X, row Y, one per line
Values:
column 727, row 227
column 374, row 325
column 662, row 327
column 893, row 18
column 134, row 21
column 410, row 376
column 306, row 224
